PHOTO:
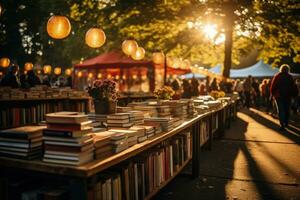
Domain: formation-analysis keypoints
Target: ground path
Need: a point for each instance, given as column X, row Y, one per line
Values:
column 254, row 160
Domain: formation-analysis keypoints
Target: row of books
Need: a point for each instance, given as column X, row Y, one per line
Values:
column 39, row 91
column 14, row 115
column 139, row 177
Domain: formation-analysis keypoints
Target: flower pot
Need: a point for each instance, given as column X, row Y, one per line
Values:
column 104, row 106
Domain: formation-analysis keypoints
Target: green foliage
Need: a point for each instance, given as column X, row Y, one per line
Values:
column 270, row 26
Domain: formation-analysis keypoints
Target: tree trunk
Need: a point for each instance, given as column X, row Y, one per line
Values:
column 229, row 26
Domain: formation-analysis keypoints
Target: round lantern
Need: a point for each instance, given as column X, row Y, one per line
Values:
column 58, row 27
column 68, row 72
column 95, row 37
column 139, row 54
column 109, row 76
column 117, row 77
column 99, row 75
column 90, row 75
column 129, row 47
column 124, row 77
column 4, row 62
column 134, row 76
column 57, row 70
column 79, row 74
column 158, row 57
column 47, row 69
column 28, row 66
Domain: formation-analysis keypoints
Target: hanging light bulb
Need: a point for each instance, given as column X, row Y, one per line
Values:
column 79, row 74
column 95, row 37
column 90, row 75
column 58, row 27
column 129, row 47
column 99, row 75
column 139, row 54
column 57, row 70
column 158, row 57
column 68, row 72
column 28, row 66
column 4, row 62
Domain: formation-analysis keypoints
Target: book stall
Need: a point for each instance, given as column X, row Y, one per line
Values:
column 129, row 154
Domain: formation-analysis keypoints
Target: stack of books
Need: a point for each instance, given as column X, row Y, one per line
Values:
column 167, row 123
column 149, row 111
column 121, row 109
column 98, row 121
column 5, row 92
column 67, row 139
column 119, row 141
column 17, row 94
column 119, row 120
column 103, row 145
column 191, row 108
column 140, row 133
column 163, row 111
column 131, row 135
column 22, row 142
column 136, row 117
column 149, row 131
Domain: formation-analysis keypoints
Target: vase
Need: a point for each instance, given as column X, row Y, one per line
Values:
column 105, row 106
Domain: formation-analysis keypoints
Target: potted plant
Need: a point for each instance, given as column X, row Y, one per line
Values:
column 105, row 96
column 164, row 93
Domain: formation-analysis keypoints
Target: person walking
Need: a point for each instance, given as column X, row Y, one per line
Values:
column 247, row 90
column 283, row 89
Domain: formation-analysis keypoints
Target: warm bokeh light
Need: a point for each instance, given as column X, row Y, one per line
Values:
column 28, row 66
column 210, row 31
column 139, row 54
column 58, row 27
column 68, row 72
column 95, row 37
column 4, row 62
column 79, row 74
column 158, row 57
column 57, row 70
column 134, row 77
column 117, row 77
column 129, row 47
column 47, row 69
column 99, row 75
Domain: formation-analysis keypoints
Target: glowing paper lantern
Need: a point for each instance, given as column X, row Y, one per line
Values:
column 124, row 77
column 47, row 69
column 99, row 75
column 158, row 57
column 95, row 37
column 58, row 27
column 134, row 77
column 109, row 76
column 57, row 70
column 139, row 54
column 68, row 72
column 79, row 74
column 28, row 66
column 90, row 75
column 4, row 62
column 117, row 77
column 129, row 47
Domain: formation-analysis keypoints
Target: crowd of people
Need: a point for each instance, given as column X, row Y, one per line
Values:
column 17, row 78
column 275, row 96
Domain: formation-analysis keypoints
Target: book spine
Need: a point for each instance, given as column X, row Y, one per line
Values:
column 57, row 133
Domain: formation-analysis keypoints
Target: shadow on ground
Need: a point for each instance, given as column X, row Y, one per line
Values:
column 219, row 167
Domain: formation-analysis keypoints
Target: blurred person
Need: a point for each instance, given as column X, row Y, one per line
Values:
column 195, row 87
column 33, row 79
column 46, row 80
column 239, row 88
column 247, row 90
column 187, row 89
column 214, row 85
column 203, row 90
column 11, row 79
column 283, row 89
column 262, row 88
column 176, row 87
column 256, row 92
